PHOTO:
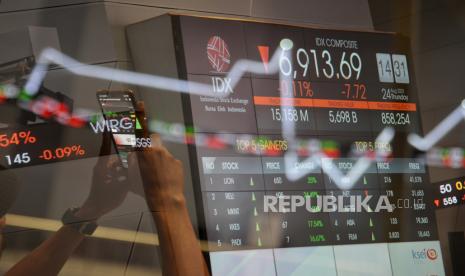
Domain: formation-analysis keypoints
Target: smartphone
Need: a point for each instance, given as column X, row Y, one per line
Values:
column 119, row 113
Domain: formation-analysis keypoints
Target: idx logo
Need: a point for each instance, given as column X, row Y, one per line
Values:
column 424, row 254
column 112, row 125
column 222, row 85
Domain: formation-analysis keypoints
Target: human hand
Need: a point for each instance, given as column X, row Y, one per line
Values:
column 110, row 184
column 162, row 176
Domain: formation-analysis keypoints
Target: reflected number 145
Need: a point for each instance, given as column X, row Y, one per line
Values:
column 18, row 159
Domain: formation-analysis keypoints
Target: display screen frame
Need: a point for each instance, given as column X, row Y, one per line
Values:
column 403, row 43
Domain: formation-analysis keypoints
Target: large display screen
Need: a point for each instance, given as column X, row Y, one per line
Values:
column 338, row 90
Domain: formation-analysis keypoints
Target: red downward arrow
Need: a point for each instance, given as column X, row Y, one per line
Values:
column 436, row 202
column 264, row 55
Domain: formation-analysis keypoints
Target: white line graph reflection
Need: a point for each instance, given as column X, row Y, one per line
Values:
column 344, row 181
column 439, row 131
column 51, row 56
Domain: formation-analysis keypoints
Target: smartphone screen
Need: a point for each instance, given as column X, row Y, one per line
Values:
column 119, row 113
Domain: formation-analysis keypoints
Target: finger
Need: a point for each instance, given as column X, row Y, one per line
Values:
column 145, row 160
column 141, row 117
column 156, row 140
column 115, row 173
column 105, row 147
column 158, row 147
column 115, row 166
column 132, row 159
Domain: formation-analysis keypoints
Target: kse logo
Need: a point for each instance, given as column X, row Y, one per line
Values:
column 425, row 253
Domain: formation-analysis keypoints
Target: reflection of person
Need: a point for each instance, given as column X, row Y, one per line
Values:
column 163, row 179
column 109, row 189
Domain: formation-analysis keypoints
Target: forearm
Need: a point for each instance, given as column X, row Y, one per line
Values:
column 50, row 256
column 180, row 248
